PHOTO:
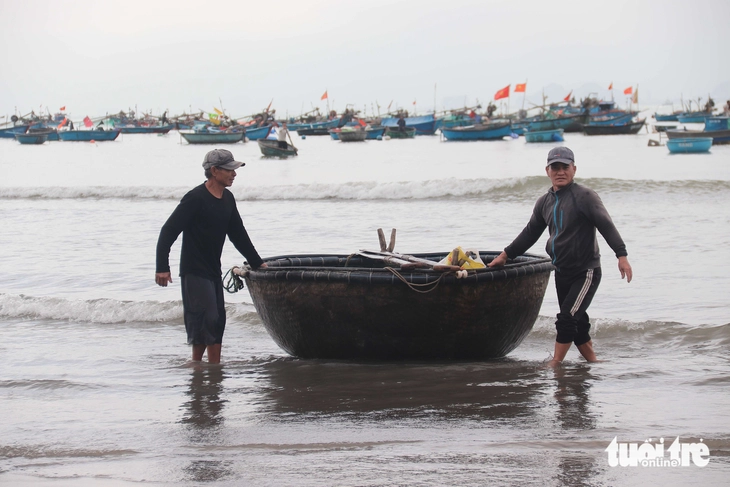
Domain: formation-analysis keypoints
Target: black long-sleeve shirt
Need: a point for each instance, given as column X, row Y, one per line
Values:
column 204, row 221
column 572, row 216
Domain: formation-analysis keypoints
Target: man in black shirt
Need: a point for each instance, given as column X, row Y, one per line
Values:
column 572, row 213
column 205, row 216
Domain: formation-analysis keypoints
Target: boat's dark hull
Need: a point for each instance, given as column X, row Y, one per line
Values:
column 718, row 136
column 314, row 131
column 315, row 307
column 270, row 148
column 624, row 129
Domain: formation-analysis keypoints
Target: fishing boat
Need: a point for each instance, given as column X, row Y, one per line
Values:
column 424, row 125
column 486, row 131
column 9, row 132
column 717, row 128
column 365, row 307
column 696, row 144
column 257, row 133
column 352, row 135
column 617, row 129
column 325, row 124
column 664, row 126
column 396, row 133
column 613, row 118
column 142, row 129
column 50, row 133
column 569, row 123
column 313, row 131
column 373, row 133
column 31, row 139
column 270, row 148
column 555, row 135
column 88, row 135
column 212, row 137
column 693, row 117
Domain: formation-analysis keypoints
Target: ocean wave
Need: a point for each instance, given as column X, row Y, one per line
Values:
column 106, row 311
column 483, row 188
column 667, row 333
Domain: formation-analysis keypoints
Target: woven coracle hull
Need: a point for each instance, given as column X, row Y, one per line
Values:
column 340, row 307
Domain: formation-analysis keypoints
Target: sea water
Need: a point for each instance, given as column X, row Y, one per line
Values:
column 98, row 389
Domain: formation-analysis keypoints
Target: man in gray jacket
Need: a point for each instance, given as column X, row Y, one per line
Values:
column 572, row 213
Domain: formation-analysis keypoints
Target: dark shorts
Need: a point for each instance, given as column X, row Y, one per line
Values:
column 575, row 293
column 204, row 309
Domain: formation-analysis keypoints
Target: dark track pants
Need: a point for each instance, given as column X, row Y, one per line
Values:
column 575, row 293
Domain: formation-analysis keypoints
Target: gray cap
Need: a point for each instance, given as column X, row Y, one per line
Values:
column 221, row 158
column 560, row 154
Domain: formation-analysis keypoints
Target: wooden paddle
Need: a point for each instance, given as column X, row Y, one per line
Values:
column 397, row 258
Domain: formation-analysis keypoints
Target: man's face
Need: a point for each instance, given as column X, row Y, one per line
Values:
column 560, row 174
column 224, row 177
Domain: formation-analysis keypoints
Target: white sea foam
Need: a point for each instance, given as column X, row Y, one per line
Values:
column 107, row 311
column 525, row 187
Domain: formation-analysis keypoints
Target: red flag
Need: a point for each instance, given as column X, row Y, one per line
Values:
column 63, row 122
column 324, row 96
column 610, row 87
column 503, row 93
column 567, row 98
column 362, row 122
column 88, row 122
column 628, row 91
column 63, row 108
column 520, row 87
column 414, row 102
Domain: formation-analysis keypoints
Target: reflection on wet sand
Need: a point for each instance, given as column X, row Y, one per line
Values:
column 574, row 415
column 478, row 390
column 202, row 414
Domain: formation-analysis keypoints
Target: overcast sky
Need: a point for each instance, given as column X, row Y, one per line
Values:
column 104, row 56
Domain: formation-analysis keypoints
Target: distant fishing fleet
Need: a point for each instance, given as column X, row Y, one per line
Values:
column 547, row 123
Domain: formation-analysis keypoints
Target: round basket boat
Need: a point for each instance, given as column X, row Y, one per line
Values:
column 353, row 307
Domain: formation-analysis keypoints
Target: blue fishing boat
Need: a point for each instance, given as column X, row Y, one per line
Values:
column 88, row 135
column 561, row 122
column 35, row 139
column 613, row 118
column 9, row 132
column 424, row 125
column 50, row 133
column 142, row 129
column 555, row 135
column 208, row 137
column 717, row 128
column 488, row 131
column 257, row 133
column 693, row 117
column 693, row 145
column 666, row 118
column 326, row 124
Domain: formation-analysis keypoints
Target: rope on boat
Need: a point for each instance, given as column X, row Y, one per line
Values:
column 232, row 281
column 414, row 287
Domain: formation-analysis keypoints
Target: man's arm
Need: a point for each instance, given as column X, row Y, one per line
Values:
column 172, row 229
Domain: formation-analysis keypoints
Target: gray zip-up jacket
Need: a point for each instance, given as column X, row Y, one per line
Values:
column 572, row 215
